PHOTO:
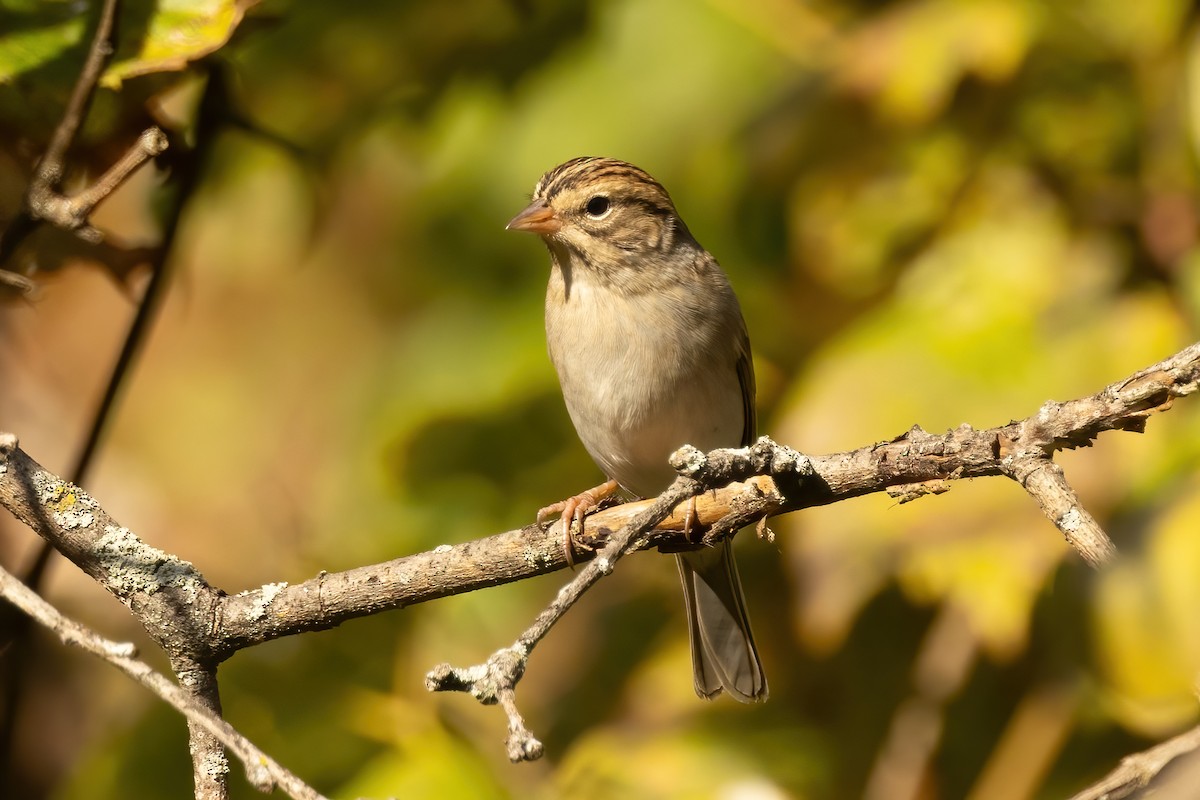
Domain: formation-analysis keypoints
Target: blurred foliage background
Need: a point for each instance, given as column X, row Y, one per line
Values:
column 934, row 212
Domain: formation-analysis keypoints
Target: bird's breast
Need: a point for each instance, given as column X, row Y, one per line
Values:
column 641, row 376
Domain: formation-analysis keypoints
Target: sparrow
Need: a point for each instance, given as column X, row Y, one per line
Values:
column 652, row 352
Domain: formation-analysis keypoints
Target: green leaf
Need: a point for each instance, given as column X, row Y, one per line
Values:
column 179, row 31
column 35, row 36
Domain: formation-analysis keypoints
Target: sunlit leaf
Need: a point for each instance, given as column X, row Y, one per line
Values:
column 165, row 37
column 908, row 60
column 1147, row 631
column 178, row 32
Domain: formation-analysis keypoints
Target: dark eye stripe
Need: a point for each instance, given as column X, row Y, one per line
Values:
column 649, row 205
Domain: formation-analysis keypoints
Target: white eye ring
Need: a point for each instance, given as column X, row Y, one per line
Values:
column 598, row 207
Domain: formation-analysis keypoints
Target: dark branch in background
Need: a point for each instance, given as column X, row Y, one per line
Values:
column 43, row 202
column 186, row 169
column 199, row 625
column 186, row 165
column 14, row 663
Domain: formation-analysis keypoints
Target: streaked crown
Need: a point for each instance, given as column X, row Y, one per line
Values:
column 608, row 213
column 597, row 174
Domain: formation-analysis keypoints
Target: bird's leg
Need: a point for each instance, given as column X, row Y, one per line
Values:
column 572, row 510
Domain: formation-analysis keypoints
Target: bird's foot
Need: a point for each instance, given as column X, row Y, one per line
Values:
column 691, row 530
column 572, row 510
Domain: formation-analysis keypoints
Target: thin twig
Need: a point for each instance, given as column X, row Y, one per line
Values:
column 16, row 281
column 261, row 770
column 151, row 143
column 1136, row 771
column 41, row 196
column 1046, row 483
column 45, row 203
column 495, row 680
column 51, row 166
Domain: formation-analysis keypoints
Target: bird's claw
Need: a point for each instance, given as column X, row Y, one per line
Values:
column 689, row 519
column 572, row 510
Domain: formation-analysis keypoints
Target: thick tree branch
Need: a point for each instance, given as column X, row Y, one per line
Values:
column 210, row 767
column 196, row 624
column 164, row 592
column 766, row 482
column 908, row 462
column 1021, row 450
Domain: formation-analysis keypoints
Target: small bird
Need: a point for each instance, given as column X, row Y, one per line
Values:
column 652, row 353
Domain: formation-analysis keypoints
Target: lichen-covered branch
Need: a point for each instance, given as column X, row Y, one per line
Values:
column 766, row 481
column 197, row 624
column 167, row 595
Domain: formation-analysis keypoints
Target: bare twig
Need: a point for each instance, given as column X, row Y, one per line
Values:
column 1046, row 483
column 50, row 168
column 261, row 770
column 15, row 280
column 495, row 680
column 45, row 203
column 1136, row 771
column 151, row 143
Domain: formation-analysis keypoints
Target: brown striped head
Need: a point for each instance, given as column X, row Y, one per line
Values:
column 604, row 214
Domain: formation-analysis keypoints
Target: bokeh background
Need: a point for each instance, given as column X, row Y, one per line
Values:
column 934, row 211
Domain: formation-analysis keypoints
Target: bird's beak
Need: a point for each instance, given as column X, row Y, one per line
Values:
column 537, row 218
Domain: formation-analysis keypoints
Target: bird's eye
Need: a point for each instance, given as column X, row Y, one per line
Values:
column 598, row 207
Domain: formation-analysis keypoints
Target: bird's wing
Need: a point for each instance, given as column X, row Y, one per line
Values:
column 745, row 372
